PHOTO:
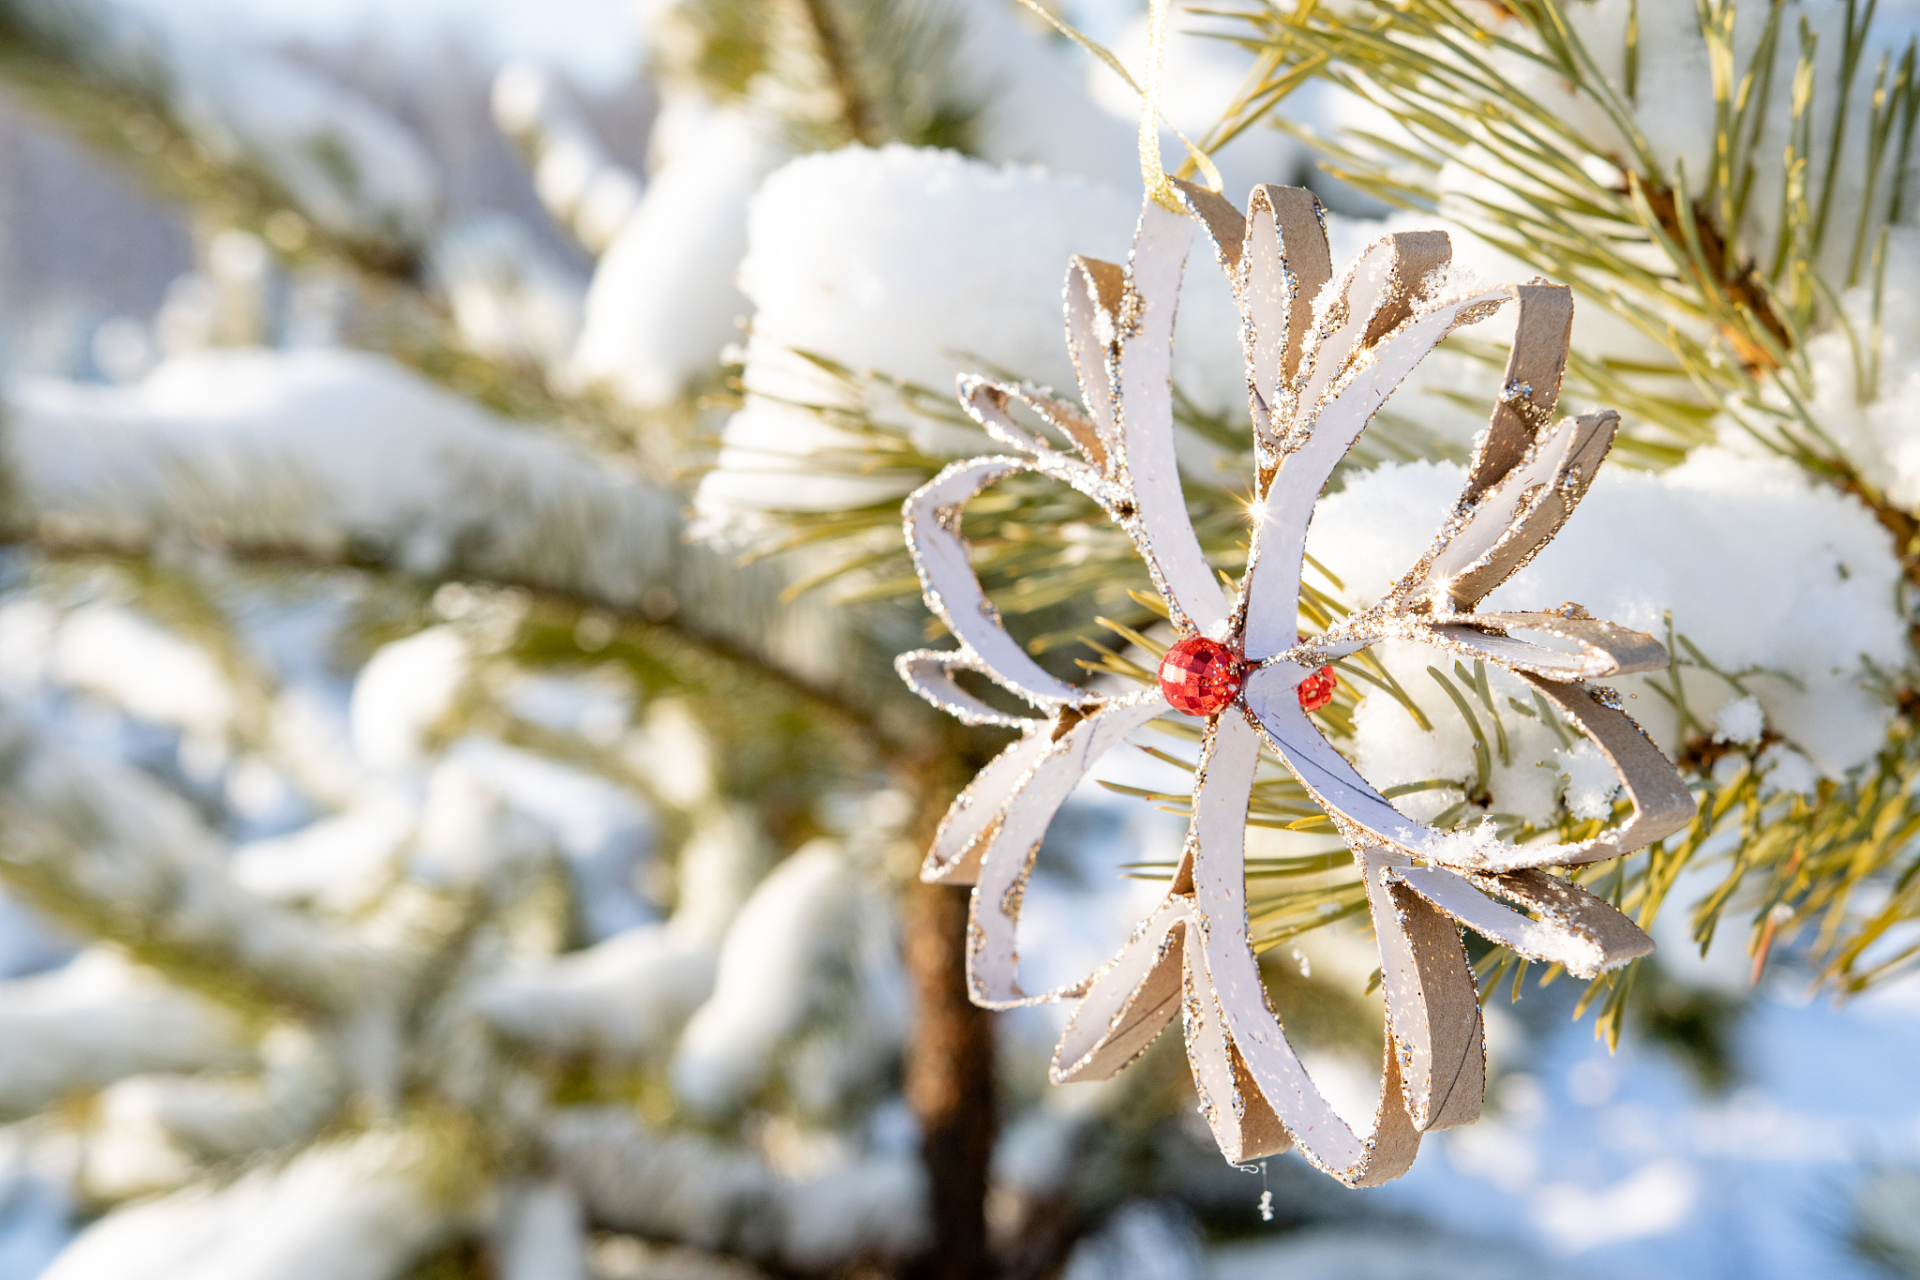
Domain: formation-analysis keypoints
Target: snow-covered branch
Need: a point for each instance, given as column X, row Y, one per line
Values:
column 691, row 1189
column 360, row 1209
column 97, row 1020
column 341, row 458
column 106, row 847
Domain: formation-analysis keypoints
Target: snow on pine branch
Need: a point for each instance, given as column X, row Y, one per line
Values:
column 915, row 265
column 689, row 1188
column 663, row 306
column 347, row 458
column 98, row 1019
column 359, row 1208
column 105, row 846
column 1784, row 584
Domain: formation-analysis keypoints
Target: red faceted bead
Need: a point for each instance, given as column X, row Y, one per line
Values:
column 1200, row 676
column 1316, row 691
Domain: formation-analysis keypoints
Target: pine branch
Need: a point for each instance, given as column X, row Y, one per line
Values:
column 662, row 628
column 1450, row 79
column 838, row 60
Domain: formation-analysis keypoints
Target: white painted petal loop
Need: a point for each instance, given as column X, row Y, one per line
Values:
column 1321, row 433
column 960, row 840
column 1485, row 543
column 1140, row 374
column 1130, row 999
column 1571, row 648
column 987, row 403
column 930, row 673
column 953, row 593
column 1074, row 744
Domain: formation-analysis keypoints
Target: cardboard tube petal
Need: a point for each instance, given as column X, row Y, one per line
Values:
column 1485, row 543
column 1129, row 1001
column 1535, row 364
column 1578, row 935
column 1561, row 902
column 1325, row 429
column 1286, row 264
column 1326, row 774
column 962, row 837
column 993, row 957
column 1573, row 648
column 1093, row 295
column 1142, row 373
column 1243, row 1123
column 947, row 581
column 1217, row 843
column 986, row 403
column 1433, row 1008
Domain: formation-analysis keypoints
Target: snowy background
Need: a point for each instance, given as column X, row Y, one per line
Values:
column 273, row 751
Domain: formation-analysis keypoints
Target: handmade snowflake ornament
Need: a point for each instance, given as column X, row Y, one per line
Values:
column 1321, row 357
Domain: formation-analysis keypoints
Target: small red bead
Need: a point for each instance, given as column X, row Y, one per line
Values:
column 1316, row 691
column 1200, row 676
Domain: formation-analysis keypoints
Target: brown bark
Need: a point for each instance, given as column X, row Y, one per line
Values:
column 949, row 1073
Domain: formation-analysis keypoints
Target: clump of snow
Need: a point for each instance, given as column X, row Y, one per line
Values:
column 349, row 167
column 469, row 834
column 1591, row 782
column 148, row 1130
column 680, row 1186
column 332, row 453
column 312, row 448
column 115, row 837
column 920, row 265
column 604, row 832
column 663, row 304
column 635, row 991
column 1782, row 769
column 357, row 1209
column 97, row 1019
column 1467, row 847
column 1788, row 585
column 339, row 860
column 629, row 994
column 1739, row 720
column 915, row 264
column 793, row 944
column 152, row 673
column 405, row 691
column 768, row 978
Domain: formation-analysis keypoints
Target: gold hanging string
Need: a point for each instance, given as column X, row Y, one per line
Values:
column 1152, row 172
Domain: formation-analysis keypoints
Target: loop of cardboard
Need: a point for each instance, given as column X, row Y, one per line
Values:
column 1530, row 387
column 1011, row 841
column 1488, row 540
column 1594, row 650
column 1348, row 366
column 986, row 403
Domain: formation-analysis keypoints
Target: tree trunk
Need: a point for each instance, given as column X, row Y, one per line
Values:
column 950, row 1075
